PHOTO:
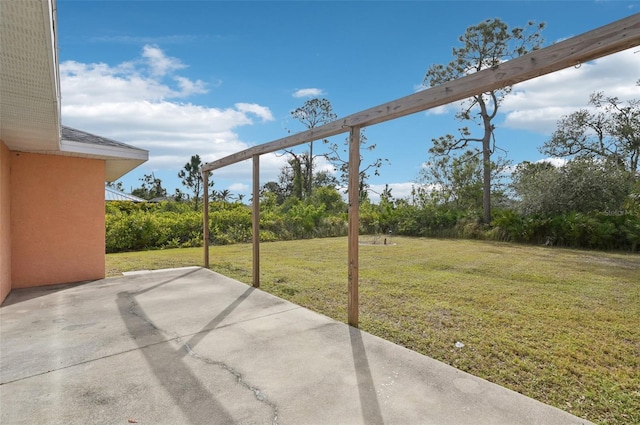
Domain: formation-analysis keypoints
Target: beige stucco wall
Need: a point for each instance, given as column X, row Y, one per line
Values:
column 57, row 219
column 5, row 222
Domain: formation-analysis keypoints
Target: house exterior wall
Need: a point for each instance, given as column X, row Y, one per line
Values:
column 57, row 219
column 5, row 222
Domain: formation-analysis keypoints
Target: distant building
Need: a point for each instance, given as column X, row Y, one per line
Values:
column 111, row 194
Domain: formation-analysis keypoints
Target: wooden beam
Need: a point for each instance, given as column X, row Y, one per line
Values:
column 354, row 225
column 603, row 41
column 256, row 221
column 205, row 217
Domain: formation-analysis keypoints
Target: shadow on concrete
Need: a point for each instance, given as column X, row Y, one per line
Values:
column 196, row 338
column 151, row 288
column 167, row 365
column 166, row 362
column 19, row 295
column 369, row 404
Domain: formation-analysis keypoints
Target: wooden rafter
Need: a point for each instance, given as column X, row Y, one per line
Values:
column 603, row 41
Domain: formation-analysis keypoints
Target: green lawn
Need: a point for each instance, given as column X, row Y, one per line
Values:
column 561, row 326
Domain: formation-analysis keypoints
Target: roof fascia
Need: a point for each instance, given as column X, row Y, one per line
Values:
column 104, row 151
column 51, row 30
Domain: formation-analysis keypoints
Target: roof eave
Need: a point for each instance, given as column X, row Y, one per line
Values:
column 102, row 151
column 119, row 160
column 29, row 122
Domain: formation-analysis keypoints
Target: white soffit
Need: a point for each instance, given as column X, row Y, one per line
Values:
column 29, row 91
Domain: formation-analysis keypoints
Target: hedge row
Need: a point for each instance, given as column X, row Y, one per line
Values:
column 131, row 227
column 593, row 231
column 170, row 225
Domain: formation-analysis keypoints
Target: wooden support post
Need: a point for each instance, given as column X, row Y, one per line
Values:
column 256, row 221
column 354, row 223
column 205, row 217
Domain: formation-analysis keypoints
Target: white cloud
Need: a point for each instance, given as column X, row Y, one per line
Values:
column 261, row 111
column 159, row 63
column 444, row 109
column 188, row 87
column 133, row 102
column 556, row 162
column 310, row 92
column 98, row 82
column 398, row 190
column 538, row 104
column 239, row 187
column 320, row 164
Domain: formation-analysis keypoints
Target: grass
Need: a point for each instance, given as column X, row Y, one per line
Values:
column 559, row 325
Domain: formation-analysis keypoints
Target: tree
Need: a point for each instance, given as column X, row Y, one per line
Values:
column 116, row 185
column 338, row 157
column 290, row 182
column 581, row 185
column 329, row 198
column 456, row 180
column 192, row 178
column 484, row 46
column 221, row 196
column 324, row 178
column 297, row 176
column 313, row 113
column 180, row 196
column 272, row 187
column 151, row 188
column 609, row 130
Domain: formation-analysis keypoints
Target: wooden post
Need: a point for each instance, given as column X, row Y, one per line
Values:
column 256, row 221
column 354, row 223
column 205, row 217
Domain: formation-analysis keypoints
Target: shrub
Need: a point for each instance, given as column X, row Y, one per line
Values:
column 132, row 227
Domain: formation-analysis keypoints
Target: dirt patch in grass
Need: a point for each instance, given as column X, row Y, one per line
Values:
column 624, row 262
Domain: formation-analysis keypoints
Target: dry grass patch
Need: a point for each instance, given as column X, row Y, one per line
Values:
column 561, row 326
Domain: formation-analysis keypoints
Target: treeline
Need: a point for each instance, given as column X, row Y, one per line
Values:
column 324, row 214
column 171, row 224
column 591, row 200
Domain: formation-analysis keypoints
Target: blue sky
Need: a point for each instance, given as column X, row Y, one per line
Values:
column 211, row 78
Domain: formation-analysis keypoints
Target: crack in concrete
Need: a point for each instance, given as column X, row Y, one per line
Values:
column 259, row 395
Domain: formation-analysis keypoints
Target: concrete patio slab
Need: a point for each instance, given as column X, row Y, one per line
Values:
column 190, row 346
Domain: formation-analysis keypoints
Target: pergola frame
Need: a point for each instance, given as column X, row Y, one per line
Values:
column 603, row 41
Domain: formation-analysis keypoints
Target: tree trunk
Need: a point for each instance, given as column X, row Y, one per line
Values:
column 298, row 178
column 309, row 171
column 197, row 193
column 486, row 180
column 486, row 158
